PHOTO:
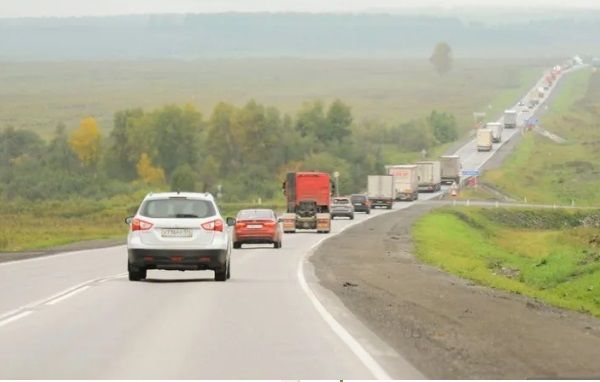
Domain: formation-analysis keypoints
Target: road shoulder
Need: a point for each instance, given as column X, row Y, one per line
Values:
column 445, row 326
column 77, row 246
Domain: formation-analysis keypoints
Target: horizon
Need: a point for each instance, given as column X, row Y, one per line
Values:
column 74, row 8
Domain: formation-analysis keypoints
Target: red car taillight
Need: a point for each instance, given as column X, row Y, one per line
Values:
column 215, row 225
column 240, row 225
column 140, row 225
column 269, row 224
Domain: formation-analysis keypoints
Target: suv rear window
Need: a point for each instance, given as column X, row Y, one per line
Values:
column 255, row 214
column 178, row 208
column 358, row 198
column 341, row 201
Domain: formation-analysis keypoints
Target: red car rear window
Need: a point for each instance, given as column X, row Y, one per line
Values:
column 255, row 214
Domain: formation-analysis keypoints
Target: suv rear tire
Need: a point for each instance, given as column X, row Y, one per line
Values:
column 222, row 274
column 136, row 274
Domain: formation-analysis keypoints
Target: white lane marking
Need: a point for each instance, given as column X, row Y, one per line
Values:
column 58, row 296
column 55, row 256
column 15, row 318
column 359, row 351
column 66, row 296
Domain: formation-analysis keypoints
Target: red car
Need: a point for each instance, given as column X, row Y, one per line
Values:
column 257, row 226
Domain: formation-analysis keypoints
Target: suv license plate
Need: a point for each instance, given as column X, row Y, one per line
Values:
column 176, row 232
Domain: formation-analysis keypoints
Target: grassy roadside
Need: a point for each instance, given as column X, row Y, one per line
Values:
column 551, row 255
column 546, row 172
column 40, row 225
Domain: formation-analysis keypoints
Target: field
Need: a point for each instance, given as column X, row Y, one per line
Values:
column 551, row 255
column 40, row 95
column 546, row 172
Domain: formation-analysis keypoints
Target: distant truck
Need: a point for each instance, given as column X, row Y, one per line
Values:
column 450, row 169
column 541, row 92
column 510, row 119
column 381, row 191
column 429, row 176
column 496, row 128
column 484, row 140
column 308, row 196
column 406, row 183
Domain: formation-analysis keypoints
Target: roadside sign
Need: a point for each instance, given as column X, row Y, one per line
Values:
column 470, row 172
column 533, row 121
column 472, row 182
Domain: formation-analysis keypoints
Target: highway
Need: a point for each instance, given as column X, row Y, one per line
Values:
column 75, row 315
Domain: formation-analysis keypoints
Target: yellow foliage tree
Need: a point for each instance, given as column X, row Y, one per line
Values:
column 85, row 141
column 148, row 173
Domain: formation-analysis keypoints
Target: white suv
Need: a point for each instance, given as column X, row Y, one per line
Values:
column 179, row 231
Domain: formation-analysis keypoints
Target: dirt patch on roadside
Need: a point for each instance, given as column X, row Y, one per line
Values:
column 445, row 326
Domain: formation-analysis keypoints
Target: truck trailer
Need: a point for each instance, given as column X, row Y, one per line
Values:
column 484, row 140
column 308, row 196
column 406, row 182
column 450, row 169
column 510, row 119
column 496, row 128
column 381, row 191
column 429, row 176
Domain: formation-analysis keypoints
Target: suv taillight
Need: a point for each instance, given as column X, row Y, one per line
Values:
column 140, row 225
column 215, row 225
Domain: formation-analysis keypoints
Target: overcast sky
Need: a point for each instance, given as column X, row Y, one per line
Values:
column 36, row 8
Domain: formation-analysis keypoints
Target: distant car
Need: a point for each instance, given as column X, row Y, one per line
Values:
column 521, row 103
column 257, row 226
column 178, row 231
column 342, row 207
column 361, row 203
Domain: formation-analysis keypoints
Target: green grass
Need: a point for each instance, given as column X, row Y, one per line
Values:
column 546, row 172
column 553, row 263
column 39, row 95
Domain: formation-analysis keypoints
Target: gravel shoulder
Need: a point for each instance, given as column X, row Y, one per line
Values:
column 445, row 326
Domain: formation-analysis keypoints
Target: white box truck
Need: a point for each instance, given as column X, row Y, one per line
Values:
column 510, row 119
column 450, row 169
column 496, row 128
column 484, row 140
column 381, row 191
column 406, row 183
column 429, row 176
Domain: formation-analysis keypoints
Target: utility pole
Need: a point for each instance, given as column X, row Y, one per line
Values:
column 336, row 177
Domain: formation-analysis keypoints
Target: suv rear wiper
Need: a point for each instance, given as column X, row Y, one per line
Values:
column 186, row 216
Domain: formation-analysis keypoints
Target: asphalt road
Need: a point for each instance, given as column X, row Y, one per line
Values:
column 75, row 315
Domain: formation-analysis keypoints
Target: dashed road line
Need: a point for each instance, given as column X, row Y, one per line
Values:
column 26, row 310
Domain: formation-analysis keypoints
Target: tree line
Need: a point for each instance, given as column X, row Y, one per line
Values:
column 242, row 151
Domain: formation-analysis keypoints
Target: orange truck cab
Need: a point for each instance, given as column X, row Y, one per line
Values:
column 308, row 196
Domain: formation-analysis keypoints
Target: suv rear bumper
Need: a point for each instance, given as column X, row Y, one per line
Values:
column 178, row 259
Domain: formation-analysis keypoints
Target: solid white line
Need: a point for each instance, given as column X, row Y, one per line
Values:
column 368, row 361
column 67, row 295
column 15, row 318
